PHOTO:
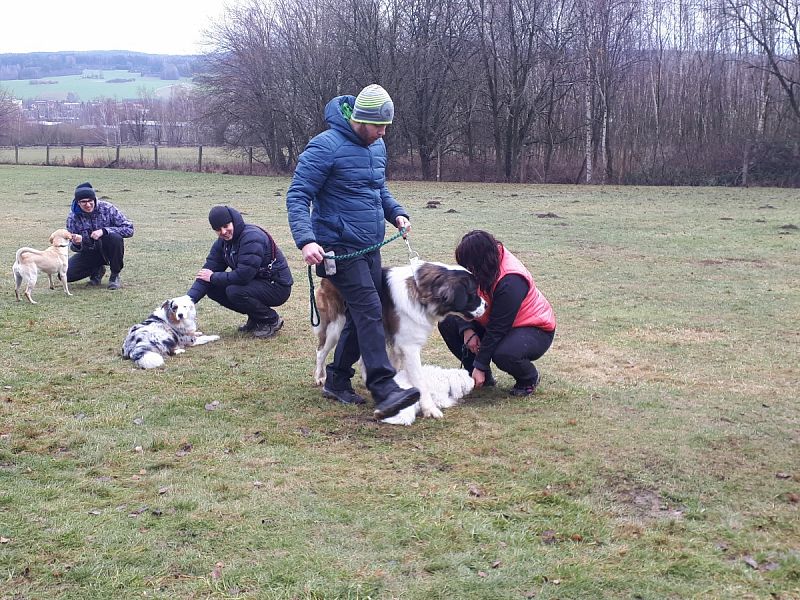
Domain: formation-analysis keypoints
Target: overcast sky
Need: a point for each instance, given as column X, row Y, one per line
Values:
column 153, row 26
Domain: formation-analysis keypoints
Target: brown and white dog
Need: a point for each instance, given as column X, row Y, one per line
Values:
column 415, row 298
column 53, row 260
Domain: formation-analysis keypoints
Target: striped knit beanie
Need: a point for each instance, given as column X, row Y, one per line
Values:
column 373, row 106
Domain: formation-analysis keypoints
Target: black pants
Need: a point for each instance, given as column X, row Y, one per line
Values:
column 108, row 250
column 358, row 281
column 514, row 354
column 255, row 299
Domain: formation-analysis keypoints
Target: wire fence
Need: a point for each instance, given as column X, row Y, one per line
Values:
column 149, row 156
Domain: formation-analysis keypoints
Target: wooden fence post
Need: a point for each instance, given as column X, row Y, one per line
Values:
column 250, row 158
column 47, row 156
column 117, row 159
column 16, row 154
column 155, row 154
column 81, row 154
column 200, row 160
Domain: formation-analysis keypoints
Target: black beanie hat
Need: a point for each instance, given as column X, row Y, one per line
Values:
column 84, row 191
column 219, row 216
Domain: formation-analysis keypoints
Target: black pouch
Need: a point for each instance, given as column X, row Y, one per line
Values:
column 328, row 266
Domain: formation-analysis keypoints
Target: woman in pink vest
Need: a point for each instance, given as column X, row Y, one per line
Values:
column 518, row 325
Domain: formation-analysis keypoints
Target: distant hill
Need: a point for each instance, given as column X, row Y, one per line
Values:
column 39, row 65
column 92, row 85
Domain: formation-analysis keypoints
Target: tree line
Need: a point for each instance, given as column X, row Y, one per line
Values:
column 598, row 91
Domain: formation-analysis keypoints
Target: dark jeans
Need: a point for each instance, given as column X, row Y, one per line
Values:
column 358, row 281
column 255, row 299
column 514, row 354
column 108, row 250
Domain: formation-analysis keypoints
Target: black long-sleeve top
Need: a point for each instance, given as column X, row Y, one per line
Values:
column 506, row 302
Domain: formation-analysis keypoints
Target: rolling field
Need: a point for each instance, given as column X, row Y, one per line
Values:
column 658, row 458
column 92, row 89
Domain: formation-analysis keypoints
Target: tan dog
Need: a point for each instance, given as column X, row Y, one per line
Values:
column 52, row 260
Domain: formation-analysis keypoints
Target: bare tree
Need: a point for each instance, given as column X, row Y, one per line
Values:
column 9, row 114
column 432, row 51
column 246, row 83
column 523, row 61
column 774, row 27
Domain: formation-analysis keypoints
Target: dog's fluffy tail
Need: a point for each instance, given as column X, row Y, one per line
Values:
column 150, row 360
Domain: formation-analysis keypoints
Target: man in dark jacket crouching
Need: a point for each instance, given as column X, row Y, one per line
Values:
column 259, row 277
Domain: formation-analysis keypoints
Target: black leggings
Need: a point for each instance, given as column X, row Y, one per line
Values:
column 514, row 354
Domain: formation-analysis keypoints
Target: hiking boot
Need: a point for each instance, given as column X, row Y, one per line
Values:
column 96, row 278
column 114, row 282
column 396, row 401
column 524, row 388
column 249, row 326
column 343, row 396
column 265, row 330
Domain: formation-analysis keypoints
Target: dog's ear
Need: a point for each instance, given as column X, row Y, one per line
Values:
column 52, row 237
column 459, row 298
column 167, row 305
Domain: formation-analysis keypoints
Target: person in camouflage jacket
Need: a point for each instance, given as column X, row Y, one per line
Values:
column 98, row 229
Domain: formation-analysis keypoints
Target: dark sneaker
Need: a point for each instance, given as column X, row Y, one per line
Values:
column 114, row 282
column 97, row 277
column 524, row 388
column 343, row 396
column 395, row 402
column 265, row 330
column 490, row 381
column 249, row 326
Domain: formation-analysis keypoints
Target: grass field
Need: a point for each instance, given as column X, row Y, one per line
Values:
column 91, row 89
column 658, row 459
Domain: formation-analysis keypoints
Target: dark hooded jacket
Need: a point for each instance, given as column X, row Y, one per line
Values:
column 345, row 182
column 250, row 254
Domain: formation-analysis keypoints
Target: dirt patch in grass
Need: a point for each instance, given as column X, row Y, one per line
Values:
column 682, row 335
column 604, row 364
column 645, row 504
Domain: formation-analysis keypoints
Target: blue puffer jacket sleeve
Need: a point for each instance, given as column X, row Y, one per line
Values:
column 313, row 168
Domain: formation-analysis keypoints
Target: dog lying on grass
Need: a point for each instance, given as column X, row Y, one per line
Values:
column 170, row 329
column 446, row 387
column 53, row 260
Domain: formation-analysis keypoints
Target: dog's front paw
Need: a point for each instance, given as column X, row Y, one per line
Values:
column 179, row 351
column 405, row 417
column 204, row 339
column 433, row 412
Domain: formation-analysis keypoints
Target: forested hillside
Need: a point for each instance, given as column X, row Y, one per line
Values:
column 36, row 65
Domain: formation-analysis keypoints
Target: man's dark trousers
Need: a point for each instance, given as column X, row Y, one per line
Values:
column 255, row 299
column 109, row 249
column 358, row 281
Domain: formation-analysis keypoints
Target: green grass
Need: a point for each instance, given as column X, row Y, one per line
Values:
column 86, row 89
column 657, row 459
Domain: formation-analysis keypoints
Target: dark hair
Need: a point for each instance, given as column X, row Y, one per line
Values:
column 478, row 252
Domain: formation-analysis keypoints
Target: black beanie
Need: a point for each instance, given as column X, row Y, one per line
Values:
column 84, row 191
column 219, row 216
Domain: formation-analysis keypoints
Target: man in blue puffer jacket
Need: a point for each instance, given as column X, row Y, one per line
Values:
column 338, row 201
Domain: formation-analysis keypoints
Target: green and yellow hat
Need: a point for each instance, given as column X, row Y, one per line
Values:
column 373, row 106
